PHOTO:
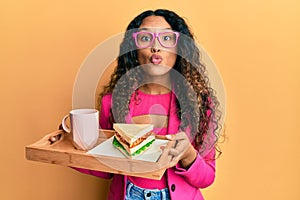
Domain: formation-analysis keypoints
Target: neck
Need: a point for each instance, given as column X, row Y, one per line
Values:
column 154, row 88
column 156, row 84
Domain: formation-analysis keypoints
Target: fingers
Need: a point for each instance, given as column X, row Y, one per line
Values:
column 178, row 136
column 182, row 142
column 170, row 156
column 175, row 149
column 167, row 157
column 165, row 137
column 174, row 152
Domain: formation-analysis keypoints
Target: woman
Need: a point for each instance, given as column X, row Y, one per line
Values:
column 159, row 79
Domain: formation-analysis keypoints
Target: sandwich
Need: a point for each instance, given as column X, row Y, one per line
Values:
column 133, row 139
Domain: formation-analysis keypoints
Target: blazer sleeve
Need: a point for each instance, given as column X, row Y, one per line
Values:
column 201, row 173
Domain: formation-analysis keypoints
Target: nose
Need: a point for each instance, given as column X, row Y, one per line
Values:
column 155, row 46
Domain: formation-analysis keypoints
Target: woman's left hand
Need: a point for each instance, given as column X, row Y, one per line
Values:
column 180, row 150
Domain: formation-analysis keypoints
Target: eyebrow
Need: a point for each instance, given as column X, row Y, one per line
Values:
column 147, row 29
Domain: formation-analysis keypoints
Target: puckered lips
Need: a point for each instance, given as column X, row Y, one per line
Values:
column 156, row 59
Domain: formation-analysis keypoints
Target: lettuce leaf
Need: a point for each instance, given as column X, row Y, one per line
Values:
column 116, row 143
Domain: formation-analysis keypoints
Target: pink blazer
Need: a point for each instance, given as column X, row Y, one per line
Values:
column 182, row 183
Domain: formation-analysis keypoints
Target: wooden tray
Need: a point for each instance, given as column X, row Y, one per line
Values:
column 63, row 152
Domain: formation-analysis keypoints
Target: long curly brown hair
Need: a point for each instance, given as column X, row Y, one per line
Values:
column 200, row 112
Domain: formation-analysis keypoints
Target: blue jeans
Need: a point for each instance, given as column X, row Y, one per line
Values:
column 134, row 192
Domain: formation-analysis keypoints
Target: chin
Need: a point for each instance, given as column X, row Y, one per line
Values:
column 156, row 70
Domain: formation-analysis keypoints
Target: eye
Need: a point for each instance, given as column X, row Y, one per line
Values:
column 145, row 38
column 167, row 38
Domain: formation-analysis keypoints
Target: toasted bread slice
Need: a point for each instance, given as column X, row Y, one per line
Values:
column 132, row 132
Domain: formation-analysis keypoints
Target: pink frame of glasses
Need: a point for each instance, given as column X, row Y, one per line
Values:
column 154, row 36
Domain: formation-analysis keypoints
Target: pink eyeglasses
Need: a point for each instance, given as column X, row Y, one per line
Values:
column 145, row 39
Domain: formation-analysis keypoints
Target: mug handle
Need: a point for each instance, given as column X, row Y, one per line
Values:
column 63, row 123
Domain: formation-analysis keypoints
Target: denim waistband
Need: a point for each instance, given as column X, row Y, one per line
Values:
column 134, row 192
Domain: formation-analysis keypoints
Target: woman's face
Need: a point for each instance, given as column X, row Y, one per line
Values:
column 156, row 59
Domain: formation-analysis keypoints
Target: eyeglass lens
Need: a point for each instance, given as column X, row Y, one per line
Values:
column 166, row 39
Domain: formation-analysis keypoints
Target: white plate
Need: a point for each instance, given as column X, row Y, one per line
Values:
column 106, row 148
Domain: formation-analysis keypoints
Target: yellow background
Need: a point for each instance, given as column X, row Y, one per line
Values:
column 255, row 44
